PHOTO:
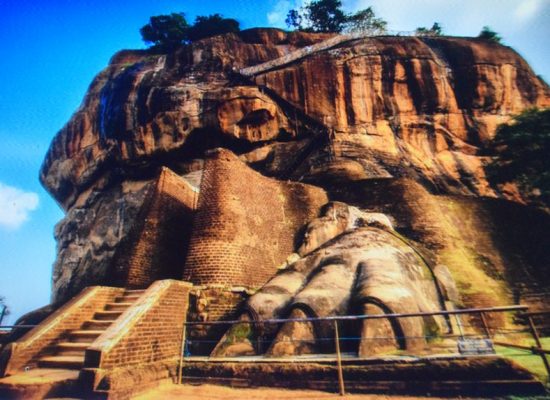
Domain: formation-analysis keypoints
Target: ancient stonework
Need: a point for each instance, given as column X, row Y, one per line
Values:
column 246, row 224
column 353, row 266
column 345, row 176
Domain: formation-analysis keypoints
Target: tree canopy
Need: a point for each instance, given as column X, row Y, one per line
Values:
column 166, row 32
column 522, row 148
column 328, row 16
column 215, row 24
column 435, row 30
column 365, row 21
column 488, row 34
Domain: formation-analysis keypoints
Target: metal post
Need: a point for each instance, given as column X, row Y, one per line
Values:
column 535, row 334
column 459, row 326
column 2, row 313
column 182, row 349
column 485, row 325
column 339, row 360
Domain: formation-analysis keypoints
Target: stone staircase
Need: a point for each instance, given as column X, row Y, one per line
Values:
column 69, row 351
column 106, row 342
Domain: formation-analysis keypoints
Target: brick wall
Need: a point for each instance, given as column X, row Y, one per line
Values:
column 246, row 224
column 149, row 331
column 68, row 317
column 157, row 248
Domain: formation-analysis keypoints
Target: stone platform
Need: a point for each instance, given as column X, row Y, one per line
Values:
column 444, row 376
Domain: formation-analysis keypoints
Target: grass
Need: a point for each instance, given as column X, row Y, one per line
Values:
column 526, row 359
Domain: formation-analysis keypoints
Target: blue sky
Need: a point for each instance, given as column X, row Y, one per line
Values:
column 51, row 50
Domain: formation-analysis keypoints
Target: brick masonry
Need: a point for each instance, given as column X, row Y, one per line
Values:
column 72, row 315
column 246, row 224
column 149, row 331
column 156, row 248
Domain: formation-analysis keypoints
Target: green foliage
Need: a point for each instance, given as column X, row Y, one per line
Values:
column 165, row 32
column 212, row 25
column 239, row 333
column 4, row 310
column 526, row 358
column 488, row 34
column 435, row 30
column 431, row 330
column 328, row 16
column 365, row 21
column 295, row 19
column 522, row 151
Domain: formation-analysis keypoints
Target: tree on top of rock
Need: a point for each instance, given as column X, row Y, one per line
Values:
column 165, row 32
column 212, row 25
column 488, row 34
column 435, row 30
column 328, row 16
column 365, row 21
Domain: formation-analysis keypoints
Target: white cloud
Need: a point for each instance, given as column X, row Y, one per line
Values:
column 527, row 10
column 276, row 17
column 458, row 17
column 15, row 206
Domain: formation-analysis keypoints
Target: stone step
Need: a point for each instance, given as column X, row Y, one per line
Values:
column 130, row 298
column 70, row 349
column 96, row 324
column 64, row 362
column 107, row 315
column 134, row 291
column 84, row 336
column 117, row 306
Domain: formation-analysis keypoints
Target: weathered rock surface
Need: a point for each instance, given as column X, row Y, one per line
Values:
column 393, row 126
column 358, row 269
column 146, row 107
column 396, row 106
column 90, row 234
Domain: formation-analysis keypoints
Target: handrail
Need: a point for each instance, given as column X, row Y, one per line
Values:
column 366, row 316
column 532, row 349
column 16, row 326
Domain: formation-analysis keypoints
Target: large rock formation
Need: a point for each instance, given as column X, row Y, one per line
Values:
column 353, row 262
column 391, row 125
column 397, row 105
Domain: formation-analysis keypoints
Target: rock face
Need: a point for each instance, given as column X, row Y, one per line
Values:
column 390, row 129
column 350, row 266
column 396, row 106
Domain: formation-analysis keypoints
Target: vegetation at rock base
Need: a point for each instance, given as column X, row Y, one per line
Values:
column 166, row 32
column 488, row 34
column 4, row 310
column 328, row 16
column 522, row 148
column 435, row 30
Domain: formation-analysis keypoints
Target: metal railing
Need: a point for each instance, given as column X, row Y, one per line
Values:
column 470, row 332
column 326, row 45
